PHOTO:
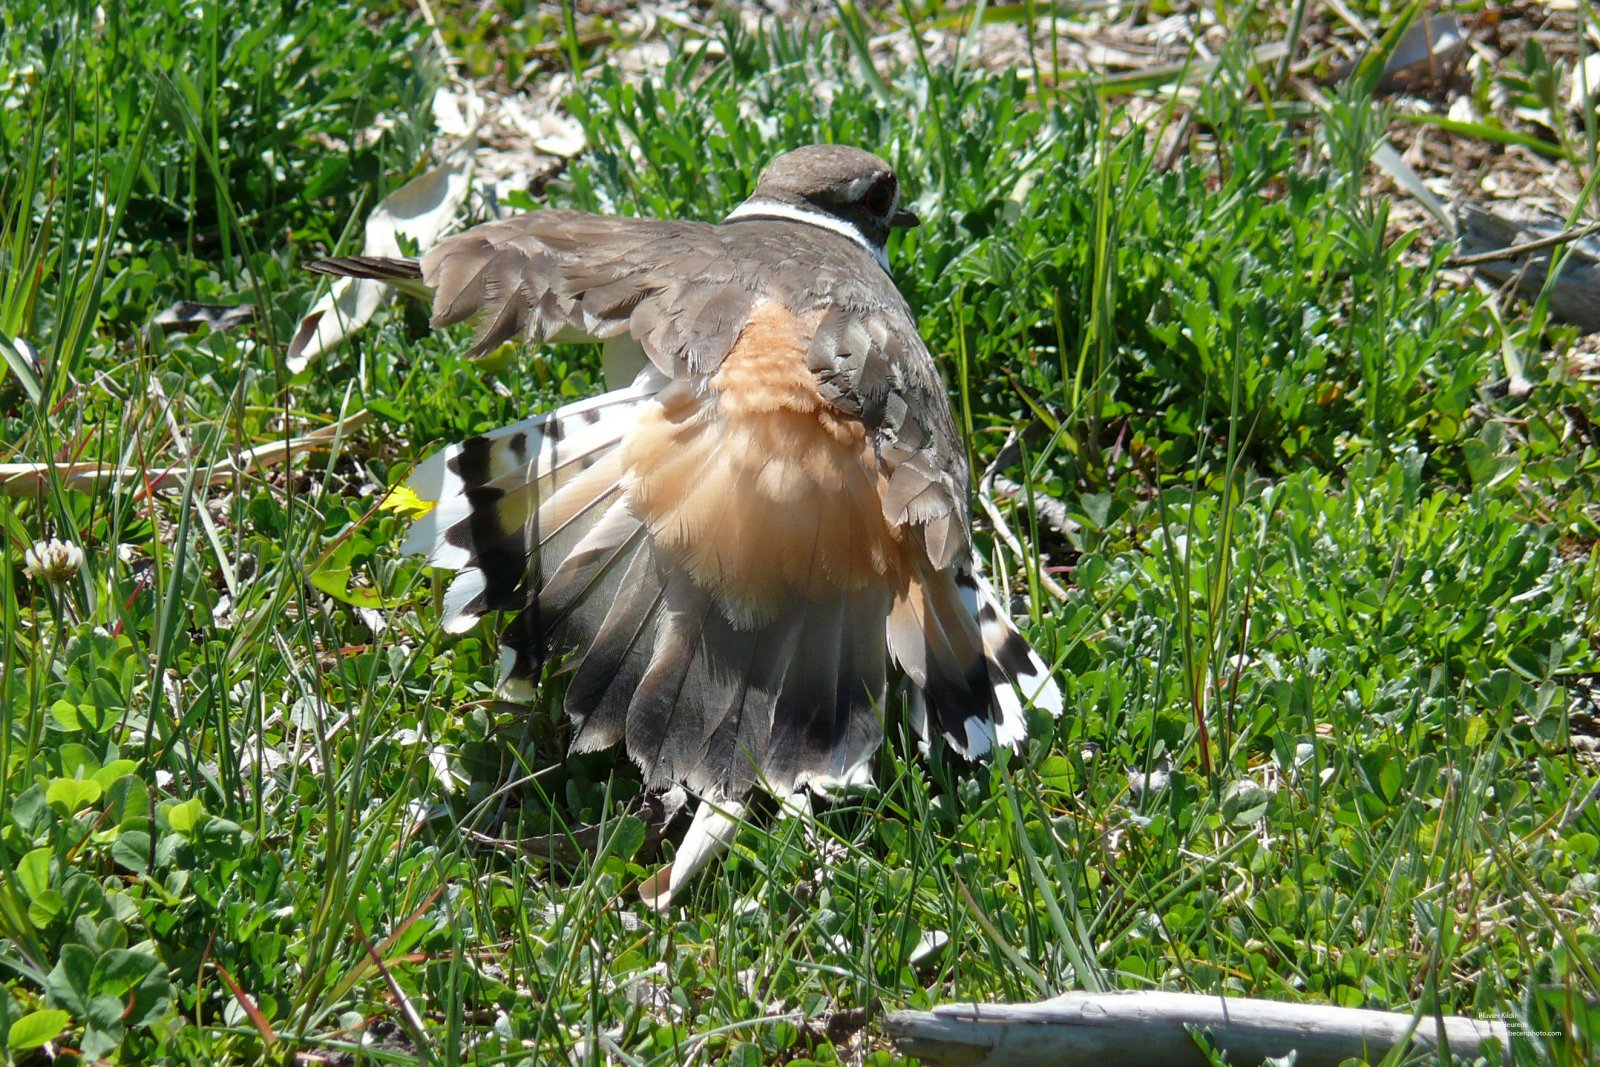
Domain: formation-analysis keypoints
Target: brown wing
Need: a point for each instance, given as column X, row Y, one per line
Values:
column 570, row 276
column 683, row 291
column 947, row 629
column 871, row 362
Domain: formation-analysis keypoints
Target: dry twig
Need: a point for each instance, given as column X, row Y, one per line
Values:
column 30, row 479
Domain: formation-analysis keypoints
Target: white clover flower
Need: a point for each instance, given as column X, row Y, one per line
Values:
column 57, row 562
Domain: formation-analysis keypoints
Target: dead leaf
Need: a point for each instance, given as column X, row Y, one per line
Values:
column 1397, row 168
column 457, row 112
column 1426, row 54
column 559, row 136
column 1585, row 83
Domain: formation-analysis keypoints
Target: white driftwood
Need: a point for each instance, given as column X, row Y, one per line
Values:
column 1153, row 1028
column 29, row 479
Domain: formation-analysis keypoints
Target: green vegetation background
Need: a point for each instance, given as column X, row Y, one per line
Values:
column 236, row 822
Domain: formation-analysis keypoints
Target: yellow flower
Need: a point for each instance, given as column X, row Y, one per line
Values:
column 405, row 501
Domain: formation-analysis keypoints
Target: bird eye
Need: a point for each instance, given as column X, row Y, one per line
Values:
column 880, row 198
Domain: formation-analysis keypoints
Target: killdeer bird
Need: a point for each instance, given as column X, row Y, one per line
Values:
column 735, row 544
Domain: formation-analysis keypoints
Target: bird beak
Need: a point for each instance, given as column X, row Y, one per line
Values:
column 902, row 219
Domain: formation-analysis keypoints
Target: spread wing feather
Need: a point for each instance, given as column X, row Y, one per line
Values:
column 584, row 277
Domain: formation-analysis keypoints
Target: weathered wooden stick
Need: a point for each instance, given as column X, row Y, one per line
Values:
column 1530, row 235
column 1154, row 1028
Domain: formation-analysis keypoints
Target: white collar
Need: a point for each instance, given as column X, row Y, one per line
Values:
column 776, row 209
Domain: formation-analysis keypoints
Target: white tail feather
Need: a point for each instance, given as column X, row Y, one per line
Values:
column 1019, row 674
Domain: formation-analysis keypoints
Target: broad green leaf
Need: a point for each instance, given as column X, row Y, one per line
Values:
column 44, row 908
column 335, row 581
column 1389, row 780
column 77, row 761
column 70, row 982
column 35, row 1028
column 138, row 979
column 186, row 815
column 112, row 771
column 1244, row 802
column 105, row 1013
column 65, row 712
column 72, row 794
column 131, row 851
column 29, row 809
column 99, row 1043
column 33, row 872
column 627, row 834
column 128, row 801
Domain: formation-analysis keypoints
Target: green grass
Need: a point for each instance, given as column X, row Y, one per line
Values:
column 1304, row 512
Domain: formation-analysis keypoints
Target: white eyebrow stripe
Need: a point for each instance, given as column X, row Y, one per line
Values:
column 773, row 209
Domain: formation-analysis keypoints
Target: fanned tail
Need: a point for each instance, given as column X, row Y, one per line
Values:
column 544, row 518
column 974, row 669
column 774, row 681
column 1010, row 659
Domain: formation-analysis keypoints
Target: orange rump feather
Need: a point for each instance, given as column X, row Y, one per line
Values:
column 760, row 488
